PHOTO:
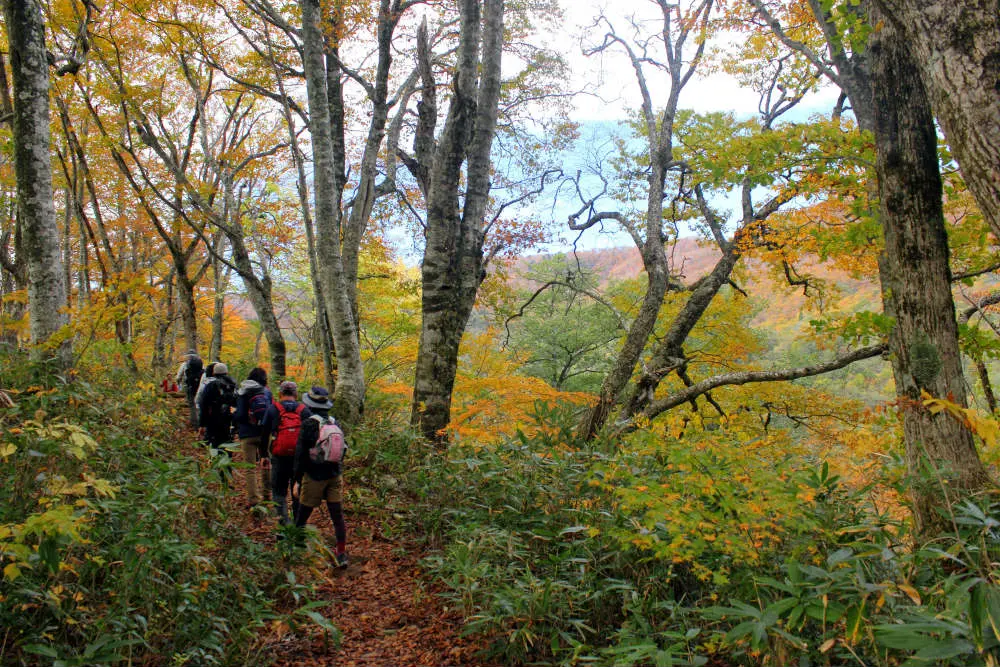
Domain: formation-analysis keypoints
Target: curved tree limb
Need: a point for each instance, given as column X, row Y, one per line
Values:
column 747, row 377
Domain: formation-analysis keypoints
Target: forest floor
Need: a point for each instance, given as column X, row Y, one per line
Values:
column 388, row 613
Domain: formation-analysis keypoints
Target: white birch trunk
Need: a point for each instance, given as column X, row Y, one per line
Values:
column 350, row 390
column 32, row 166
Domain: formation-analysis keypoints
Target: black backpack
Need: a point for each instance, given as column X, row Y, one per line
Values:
column 193, row 372
column 227, row 392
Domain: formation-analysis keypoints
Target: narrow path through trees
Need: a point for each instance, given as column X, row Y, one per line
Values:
column 387, row 612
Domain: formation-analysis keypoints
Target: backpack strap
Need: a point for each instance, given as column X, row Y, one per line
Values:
column 282, row 410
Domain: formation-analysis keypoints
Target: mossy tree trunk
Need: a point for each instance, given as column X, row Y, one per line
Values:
column 916, row 278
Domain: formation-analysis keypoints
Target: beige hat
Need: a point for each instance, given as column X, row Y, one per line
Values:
column 219, row 369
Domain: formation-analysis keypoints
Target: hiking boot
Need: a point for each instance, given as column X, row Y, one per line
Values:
column 342, row 560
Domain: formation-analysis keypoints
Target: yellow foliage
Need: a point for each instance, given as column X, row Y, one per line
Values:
column 492, row 400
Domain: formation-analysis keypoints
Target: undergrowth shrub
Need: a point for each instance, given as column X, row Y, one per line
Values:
column 711, row 549
column 114, row 540
column 529, row 554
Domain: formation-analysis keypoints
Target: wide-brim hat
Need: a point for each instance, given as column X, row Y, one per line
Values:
column 319, row 398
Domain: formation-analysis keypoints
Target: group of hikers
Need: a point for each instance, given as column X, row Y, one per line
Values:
column 293, row 445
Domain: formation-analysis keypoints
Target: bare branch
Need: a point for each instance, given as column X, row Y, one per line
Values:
column 975, row 273
column 748, row 377
column 569, row 285
column 795, row 45
column 978, row 306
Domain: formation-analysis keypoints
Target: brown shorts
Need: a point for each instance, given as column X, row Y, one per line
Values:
column 315, row 492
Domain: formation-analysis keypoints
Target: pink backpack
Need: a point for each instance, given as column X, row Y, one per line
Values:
column 329, row 447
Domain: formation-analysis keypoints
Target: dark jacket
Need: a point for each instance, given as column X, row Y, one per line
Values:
column 274, row 419
column 215, row 413
column 248, row 389
column 308, row 437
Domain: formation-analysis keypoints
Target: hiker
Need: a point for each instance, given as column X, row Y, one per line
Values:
column 204, row 380
column 188, row 377
column 318, row 480
column 286, row 418
column 253, row 402
column 215, row 409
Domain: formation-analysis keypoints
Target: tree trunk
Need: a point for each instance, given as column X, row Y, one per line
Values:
column 33, row 170
column 162, row 350
column 957, row 46
column 220, row 280
column 349, row 393
column 635, row 341
column 259, row 292
column 940, row 452
column 14, row 277
column 325, row 341
column 453, row 266
column 186, row 303
column 366, row 194
column 669, row 353
column 67, row 249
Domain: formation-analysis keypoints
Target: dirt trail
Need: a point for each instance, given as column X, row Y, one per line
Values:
column 387, row 613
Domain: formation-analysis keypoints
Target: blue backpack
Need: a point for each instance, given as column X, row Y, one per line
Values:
column 257, row 408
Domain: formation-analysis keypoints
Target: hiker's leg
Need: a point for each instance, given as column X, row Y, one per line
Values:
column 302, row 515
column 335, row 504
column 310, row 496
column 264, row 479
column 339, row 527
column 248, row 448
column 281, row 475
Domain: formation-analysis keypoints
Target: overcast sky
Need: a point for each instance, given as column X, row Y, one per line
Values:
column 615, row 93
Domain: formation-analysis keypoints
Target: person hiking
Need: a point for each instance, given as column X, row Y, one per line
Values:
column 316, row 479
column 286, row 418
column 205, row 379
column 253, row 402
column 215, row 409
column 189, row 375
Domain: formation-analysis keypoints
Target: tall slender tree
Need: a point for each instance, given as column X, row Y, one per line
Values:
column 33, row 168
column 350, row 390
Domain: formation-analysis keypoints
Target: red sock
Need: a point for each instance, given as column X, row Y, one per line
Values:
column 341, row 547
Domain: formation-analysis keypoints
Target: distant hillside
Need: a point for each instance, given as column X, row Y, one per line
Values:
column 783, row 312
column 691, row 259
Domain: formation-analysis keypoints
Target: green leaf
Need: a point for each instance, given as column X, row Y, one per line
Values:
column 774, row 611
column 794, row 572
column 839, row 556
column 993, row 609
column 942, row 650
column 740, row 631
column 855, row 615
column 48, row 551
column 41, row 649
column 977, row 607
